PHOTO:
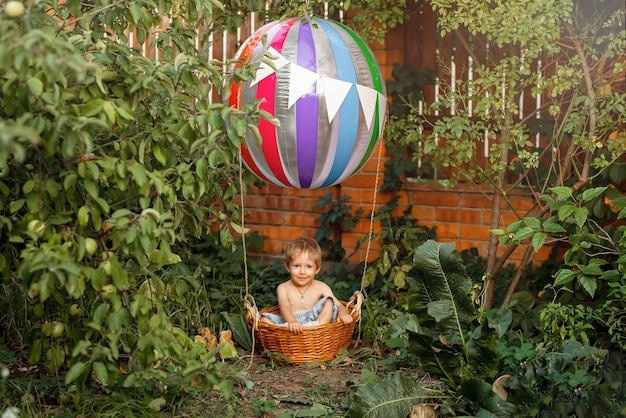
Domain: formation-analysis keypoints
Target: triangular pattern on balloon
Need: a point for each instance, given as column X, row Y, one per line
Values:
column 264, row 70
column 335, row 92
column 300, row 82
column 368, row 97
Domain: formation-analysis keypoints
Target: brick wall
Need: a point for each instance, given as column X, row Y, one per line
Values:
column 461, row 215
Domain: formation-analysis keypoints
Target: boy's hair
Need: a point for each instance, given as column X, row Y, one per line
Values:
column 304, row 245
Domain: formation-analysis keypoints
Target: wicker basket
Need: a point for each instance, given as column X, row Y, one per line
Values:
column 315, row 343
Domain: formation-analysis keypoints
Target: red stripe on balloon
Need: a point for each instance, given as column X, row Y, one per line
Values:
column 266, row 89
column 235, row 96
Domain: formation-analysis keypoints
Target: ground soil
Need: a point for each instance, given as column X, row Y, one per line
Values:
column 285, row 388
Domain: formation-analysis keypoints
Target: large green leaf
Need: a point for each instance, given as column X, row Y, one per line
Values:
column 393, row 396
column 443, row 281
column 434, row 357
column 488, row 403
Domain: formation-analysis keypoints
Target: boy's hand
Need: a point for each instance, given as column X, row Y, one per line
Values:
column 345, row 318
column 295, row 327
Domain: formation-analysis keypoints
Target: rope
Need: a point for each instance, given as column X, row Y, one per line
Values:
column 249, row 303
column 369, row 236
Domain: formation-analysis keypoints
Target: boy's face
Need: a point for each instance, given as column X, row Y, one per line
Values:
column 302, row 269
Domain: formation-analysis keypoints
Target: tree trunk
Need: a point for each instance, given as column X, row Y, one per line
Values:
column 492, row 251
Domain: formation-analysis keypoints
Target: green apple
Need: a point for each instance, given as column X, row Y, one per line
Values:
column 57, row 330
column 91, row 245
column 36, row 227
column 33, row 290
column 106, row 266
column 14, row 9
column 4, row 171
column 75, row 310
column 221, row 216
column 108, row 289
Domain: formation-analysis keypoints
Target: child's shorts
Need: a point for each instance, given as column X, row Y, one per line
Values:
column 307, row 317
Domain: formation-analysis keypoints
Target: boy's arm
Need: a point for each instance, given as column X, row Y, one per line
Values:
column 285, row 310
column 342, row 313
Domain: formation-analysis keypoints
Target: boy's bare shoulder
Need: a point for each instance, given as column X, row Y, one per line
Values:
column 322, row 287
column 283, row 288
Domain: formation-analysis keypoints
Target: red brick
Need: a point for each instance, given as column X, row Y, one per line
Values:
column 466, row 216
column 424, row 213
column 265, row 218
column 435, row 198
column 466, row 245
column 362, row 180
column 447, row 231
column 506, row 218
column 543, row 253
column 475, row 201
column 300, row 219
column 523, row 204
column 476, row 233
column 405, row 198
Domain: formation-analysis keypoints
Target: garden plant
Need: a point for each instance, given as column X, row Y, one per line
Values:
column 120, row 226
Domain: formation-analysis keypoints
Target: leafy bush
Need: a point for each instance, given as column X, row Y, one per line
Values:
column 107, row 165
column 572, row 379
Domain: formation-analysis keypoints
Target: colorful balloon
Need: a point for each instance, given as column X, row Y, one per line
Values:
column 326, row 90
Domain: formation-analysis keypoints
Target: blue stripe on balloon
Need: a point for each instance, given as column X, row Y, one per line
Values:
column 349, row 110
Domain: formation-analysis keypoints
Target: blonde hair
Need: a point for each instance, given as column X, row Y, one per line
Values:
column 303, row 245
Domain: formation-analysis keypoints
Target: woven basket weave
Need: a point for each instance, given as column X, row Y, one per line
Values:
column 315, row 343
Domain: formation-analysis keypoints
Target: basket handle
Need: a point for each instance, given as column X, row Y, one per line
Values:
column 355, row 302
column 252, row 313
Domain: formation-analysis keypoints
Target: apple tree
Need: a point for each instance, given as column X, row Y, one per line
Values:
column 109, row 162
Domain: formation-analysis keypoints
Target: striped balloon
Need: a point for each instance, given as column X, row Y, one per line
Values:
column 325, row 88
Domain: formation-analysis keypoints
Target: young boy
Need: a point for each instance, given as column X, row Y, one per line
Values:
column 303, row 300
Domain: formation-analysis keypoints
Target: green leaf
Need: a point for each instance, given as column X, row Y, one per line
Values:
column 565, row 211
column 592, row 193
column 580, row 216
column 481, row 393
column 594, row 267
column 35, row 86
column 16, row 205
column 239, row 327
column 393, row 396
column 552, row 225
column 538, row 240
column 589, row 283
column 562, row 192
column 75, row 372
column 524, row 233
column 446, row 286
column 109, row 109
column 159, row 154
column 157, row 404
column 563, row 277
column 135, row 13
column 101, row 372
column 532, row 222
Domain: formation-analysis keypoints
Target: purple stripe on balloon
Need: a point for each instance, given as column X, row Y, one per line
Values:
column 306, row 111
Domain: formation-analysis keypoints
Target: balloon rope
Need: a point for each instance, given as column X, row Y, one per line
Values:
column 248, row 299
column 243, row 235
column 372, row 213
column 371, row 231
